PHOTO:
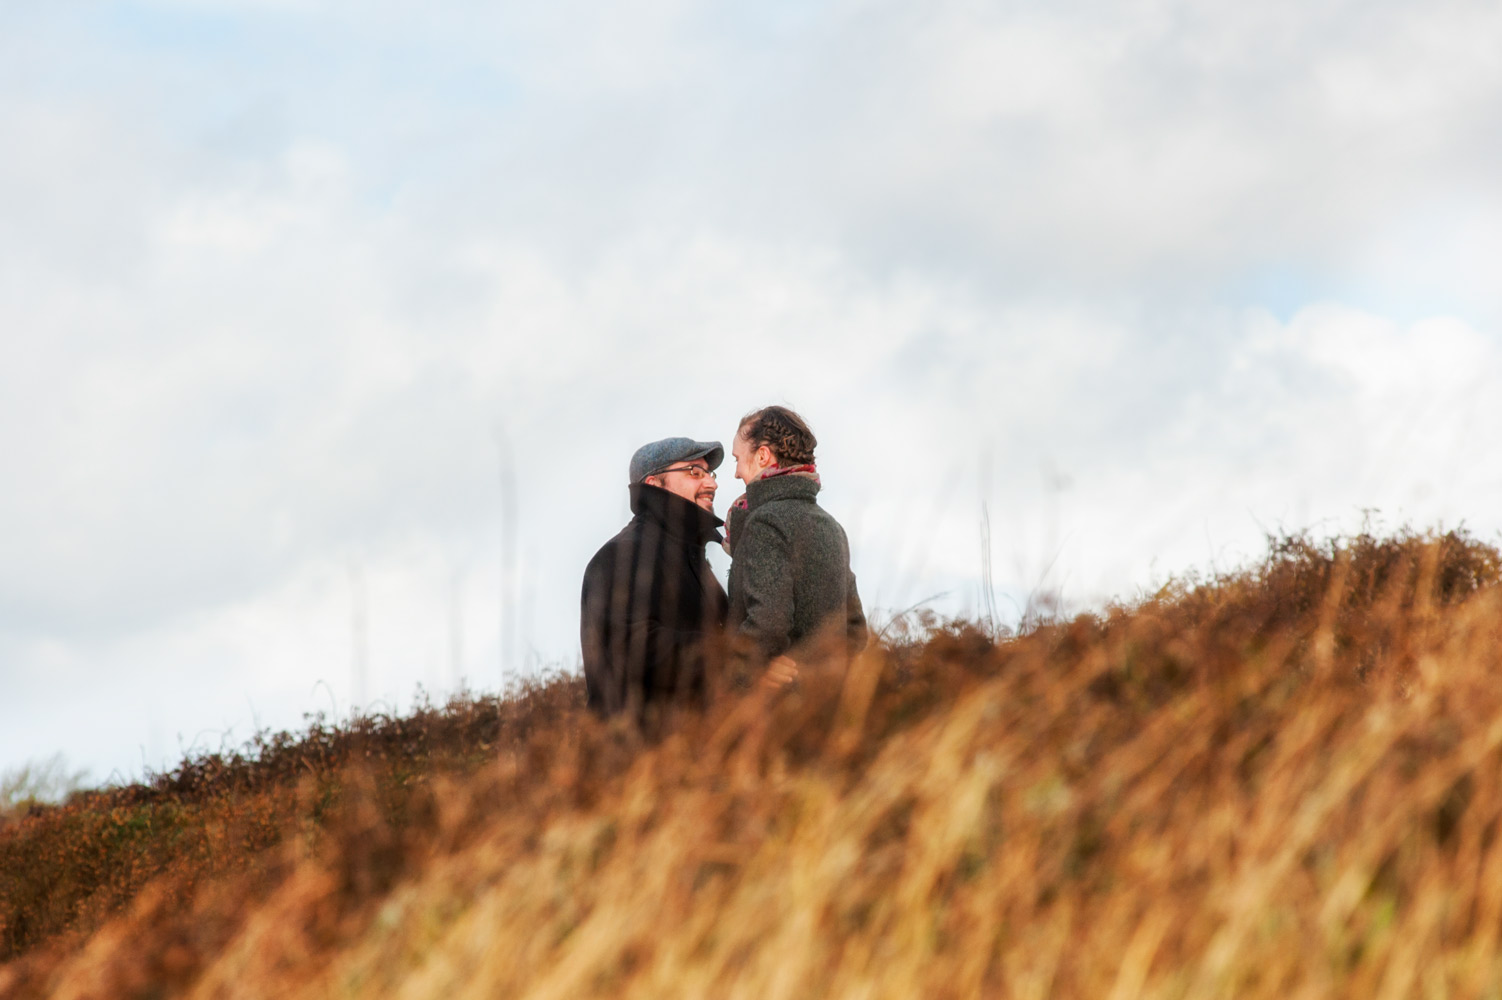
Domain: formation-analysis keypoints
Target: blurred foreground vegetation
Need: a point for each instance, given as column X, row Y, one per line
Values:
column 1283, row 780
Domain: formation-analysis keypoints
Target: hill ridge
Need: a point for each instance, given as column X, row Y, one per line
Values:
column 1277, row 779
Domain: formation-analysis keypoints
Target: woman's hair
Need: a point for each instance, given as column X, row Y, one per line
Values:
column 781, row 430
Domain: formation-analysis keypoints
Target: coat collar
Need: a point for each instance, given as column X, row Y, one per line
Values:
column 680, row 517
column 781, row 488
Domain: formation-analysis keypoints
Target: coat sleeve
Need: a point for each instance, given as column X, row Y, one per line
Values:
column 856, row 633
column 604, row 685
column 766, row 573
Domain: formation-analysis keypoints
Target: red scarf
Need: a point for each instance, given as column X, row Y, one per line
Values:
column 793, row 470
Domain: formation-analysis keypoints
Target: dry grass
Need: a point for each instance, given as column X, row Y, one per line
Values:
column 1281, row 782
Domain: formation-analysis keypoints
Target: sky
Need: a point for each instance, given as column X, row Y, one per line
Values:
column 329, row 328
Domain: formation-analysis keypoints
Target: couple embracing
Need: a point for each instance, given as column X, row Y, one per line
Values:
column 656, row 627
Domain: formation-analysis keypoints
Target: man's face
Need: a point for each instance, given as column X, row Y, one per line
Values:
column 678, row 479
column 750, row 461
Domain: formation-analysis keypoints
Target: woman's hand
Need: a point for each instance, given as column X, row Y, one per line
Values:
column 781, row 672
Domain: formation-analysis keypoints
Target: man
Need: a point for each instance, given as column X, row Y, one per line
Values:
column 790, row 580
column 651, row 608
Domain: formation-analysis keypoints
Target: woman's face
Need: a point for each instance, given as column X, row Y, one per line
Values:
column 750, row 462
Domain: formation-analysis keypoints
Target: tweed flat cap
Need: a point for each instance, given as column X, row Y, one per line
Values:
column 651, row 459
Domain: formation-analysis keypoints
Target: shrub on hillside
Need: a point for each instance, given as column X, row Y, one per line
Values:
column 36, row 783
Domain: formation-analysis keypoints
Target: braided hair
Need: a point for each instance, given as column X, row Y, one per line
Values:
column 783, row 431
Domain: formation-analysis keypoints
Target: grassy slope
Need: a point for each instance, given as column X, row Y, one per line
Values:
column 1284, row 781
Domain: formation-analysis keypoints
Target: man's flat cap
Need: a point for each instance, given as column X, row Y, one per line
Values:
column 651, row 459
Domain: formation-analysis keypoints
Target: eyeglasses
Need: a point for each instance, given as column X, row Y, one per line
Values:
column 692, row 471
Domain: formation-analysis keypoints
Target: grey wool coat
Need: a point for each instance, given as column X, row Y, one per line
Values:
column 790, row 577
